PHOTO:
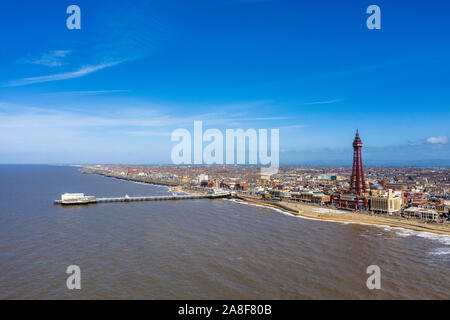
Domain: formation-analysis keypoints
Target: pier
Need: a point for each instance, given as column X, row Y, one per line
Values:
column 78, row 200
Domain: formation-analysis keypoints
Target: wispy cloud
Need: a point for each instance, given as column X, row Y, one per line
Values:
column 321, row 102
column 257, row 119
column 68, row 130
column 437, row 140
column 140, row 119
column 113, row 38
column 61, row 119
column 134, row 37
column 50, row 59
column 149, row 133
column 361, row 69
column 86, row 92
column 295, row 126
column 60, row 76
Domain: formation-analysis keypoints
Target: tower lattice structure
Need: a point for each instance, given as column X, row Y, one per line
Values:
column 357, row 182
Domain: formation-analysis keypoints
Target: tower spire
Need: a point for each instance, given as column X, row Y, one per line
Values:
column 357, row 181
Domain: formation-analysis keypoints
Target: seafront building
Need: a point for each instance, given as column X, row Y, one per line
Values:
column 427, row 189
column 421, row 214
column 386, row 203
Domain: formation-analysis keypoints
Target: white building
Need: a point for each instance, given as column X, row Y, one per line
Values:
column 421, row 213
column 72, row 196
column 387, row 203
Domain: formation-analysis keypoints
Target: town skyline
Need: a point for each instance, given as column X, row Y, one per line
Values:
column 323, row 163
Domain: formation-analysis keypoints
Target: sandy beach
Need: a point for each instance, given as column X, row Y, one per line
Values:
column 331, row 214
column 180, row 189
column 317, row 212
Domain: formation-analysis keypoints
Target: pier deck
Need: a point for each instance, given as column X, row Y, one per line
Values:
column 137, row 199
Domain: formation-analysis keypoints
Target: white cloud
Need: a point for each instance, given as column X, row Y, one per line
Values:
column 25, row 128
column 295, row 126
column 148, row 133
column 51, row 59
column 55, row 119
column 437, row 140
column 322, row 102
column 86, row 92
column 60, row 76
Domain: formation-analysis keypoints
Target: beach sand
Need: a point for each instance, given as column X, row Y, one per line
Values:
column 330, row 214
column 180, row 189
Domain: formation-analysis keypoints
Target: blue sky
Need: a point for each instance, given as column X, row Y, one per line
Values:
column 113, row 91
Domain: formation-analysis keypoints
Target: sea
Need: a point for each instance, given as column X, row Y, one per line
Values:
column 196, row 249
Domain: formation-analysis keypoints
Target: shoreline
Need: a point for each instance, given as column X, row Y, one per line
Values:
column 313, row 212
column 335, row 215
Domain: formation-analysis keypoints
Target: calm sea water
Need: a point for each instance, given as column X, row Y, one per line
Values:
column 199, row 249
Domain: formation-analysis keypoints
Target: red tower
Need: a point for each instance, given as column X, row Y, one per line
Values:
column 357, row 182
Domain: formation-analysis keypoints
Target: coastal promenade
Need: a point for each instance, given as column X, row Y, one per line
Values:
column 128, row 178
column 309, row 211
column 317, row 212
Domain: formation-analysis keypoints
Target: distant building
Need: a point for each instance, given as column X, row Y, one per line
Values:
column 397, row 186
column 421, row 214
column 442, row 208
column 350, row 201
column 383, row 182
column 202, row 177
column 204, row 183
column 321, row 198
column 243, row 186
column 414, row 197
column 310, row 196
column 72, row 196
column 328, row 178
column 387, row 203
column 265, row 179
